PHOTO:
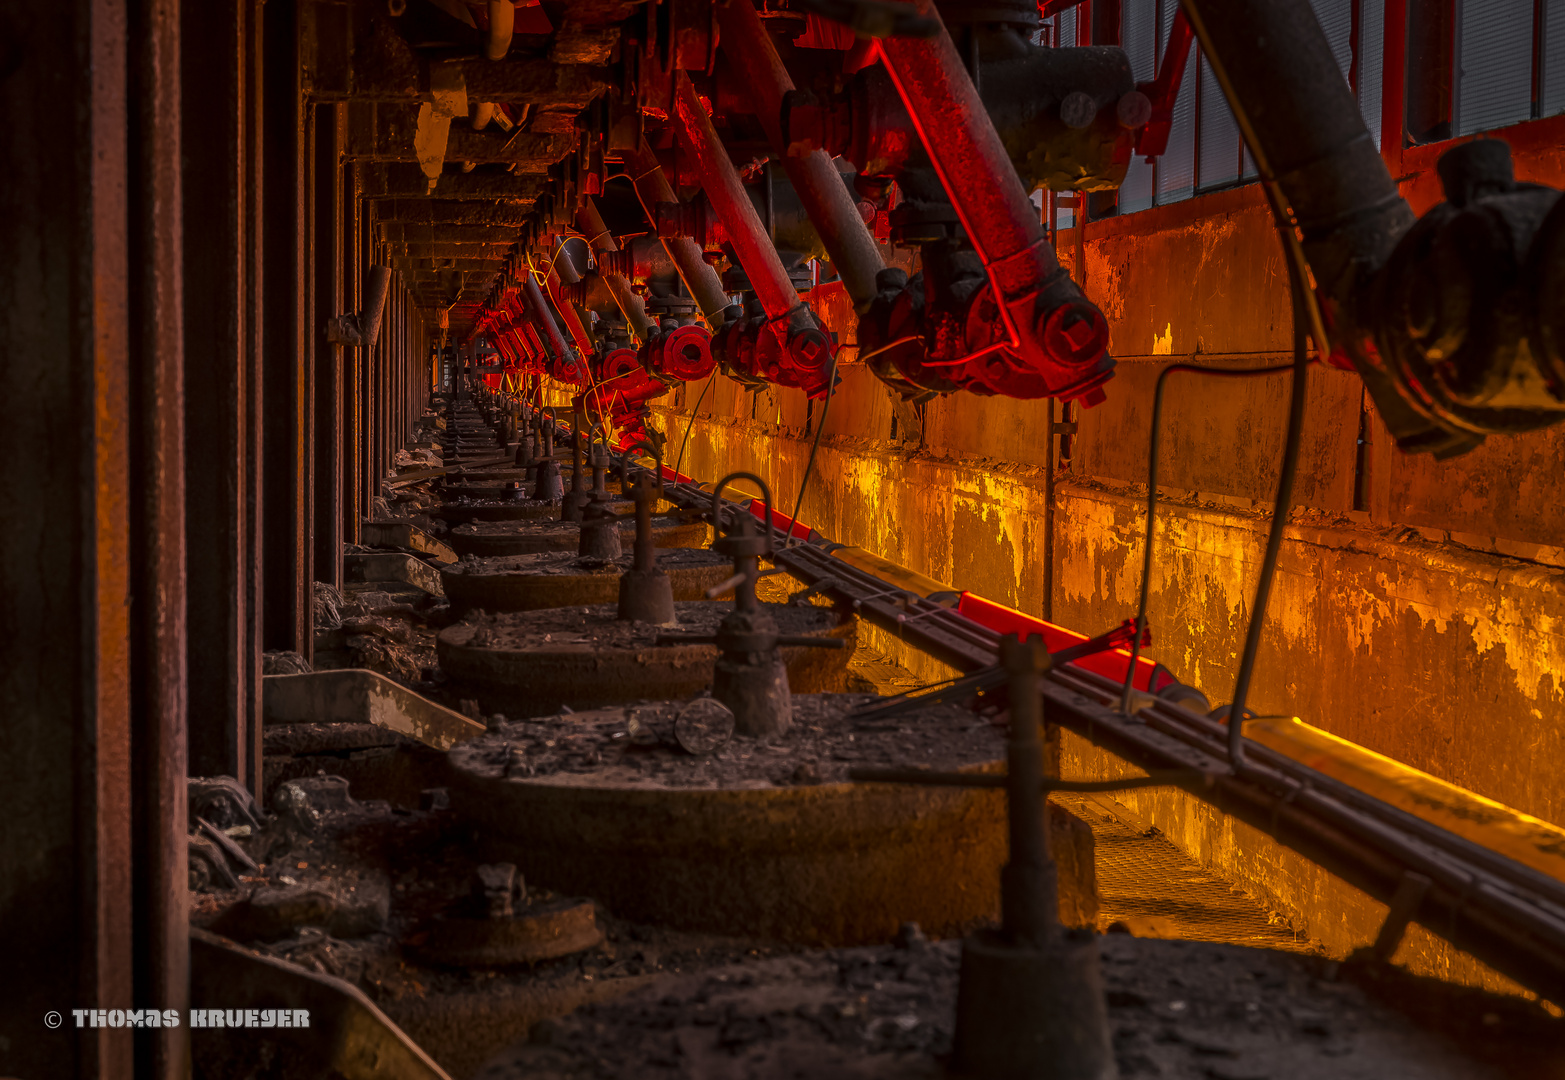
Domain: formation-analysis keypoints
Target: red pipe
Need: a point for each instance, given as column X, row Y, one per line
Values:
column 1150, row 676
column 590, row 222
column 720, row 180
column 1052, row 330
column 538, row 313
column 781, row 521
column 568, row 313
column 652, row 187
column 826, row 199
column 971, row 161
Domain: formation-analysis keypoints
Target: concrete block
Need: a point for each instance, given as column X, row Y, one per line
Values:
column 392, row 566
column 357, row 696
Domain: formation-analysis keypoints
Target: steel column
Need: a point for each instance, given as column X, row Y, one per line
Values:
column 159, row 754
column 363, row 397
column 330, row 134
column 65, row 560
column 287, row 403
column 352, row 359
column 221, row 265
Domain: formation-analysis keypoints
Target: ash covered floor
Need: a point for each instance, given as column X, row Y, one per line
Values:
column 1177, row 1009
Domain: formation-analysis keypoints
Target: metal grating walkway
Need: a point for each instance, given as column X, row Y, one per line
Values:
column 1153, row 889
column 1145, row 884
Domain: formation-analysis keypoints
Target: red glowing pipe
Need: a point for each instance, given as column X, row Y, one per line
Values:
column 652, row 187
column 781, row 521
column 538, row 313
column 825, row 198
column 720, row 180
column 568, row 313
column 1151, row 677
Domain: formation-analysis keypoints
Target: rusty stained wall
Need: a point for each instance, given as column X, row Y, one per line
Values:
column 1421, row 618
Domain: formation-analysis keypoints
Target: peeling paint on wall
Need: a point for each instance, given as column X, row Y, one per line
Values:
column 1163, row 344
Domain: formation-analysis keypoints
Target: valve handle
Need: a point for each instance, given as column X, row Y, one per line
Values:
column 766, row 496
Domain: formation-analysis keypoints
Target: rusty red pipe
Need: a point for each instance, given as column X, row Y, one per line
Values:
column 1053, row 331
column 970, row 159
column 652, row 187
column 539, row 315
column 568, row 313
column 590, row 222
column 826, row 199
column 720, row 180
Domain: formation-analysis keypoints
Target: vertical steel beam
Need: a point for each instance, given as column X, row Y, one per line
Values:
column 65, row 560
column 352, row 359
column 287, row 394
column 363, row 398
column 220, row 495
column 330, row 133
column 255, row 375
column 160, row 895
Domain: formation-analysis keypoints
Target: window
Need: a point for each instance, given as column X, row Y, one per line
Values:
column 1551, row 84
column 1477, row 65
column 1205, row 150
column 1493, row 77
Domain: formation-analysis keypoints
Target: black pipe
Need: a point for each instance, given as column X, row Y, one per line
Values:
column 1304, row 129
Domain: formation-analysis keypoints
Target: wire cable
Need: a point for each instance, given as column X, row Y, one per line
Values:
column 1290, row 468
column 1146, row 554
column 695, row 410
column 831, row 392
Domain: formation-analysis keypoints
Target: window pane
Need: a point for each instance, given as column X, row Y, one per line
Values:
column 1493, row 64
column 1138, row 31
column 1176, row 168
column 1553, row 57
column 1372, row 54
column 1135, row 193
column 1219, row 150
column 1067, row 35
column 1336, row 18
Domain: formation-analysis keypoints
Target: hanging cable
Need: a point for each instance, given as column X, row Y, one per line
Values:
column 831, row 392
column 1146, row 554
column 693, row 412
column 1290, row 465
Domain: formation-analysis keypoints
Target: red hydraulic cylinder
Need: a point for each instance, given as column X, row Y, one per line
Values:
column 796, row 351
column 720, row 180
column 1054, row 333
column 652, row 187
column 567, row 310
column 590, row 222
column 538, row 313
column 832, row 208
